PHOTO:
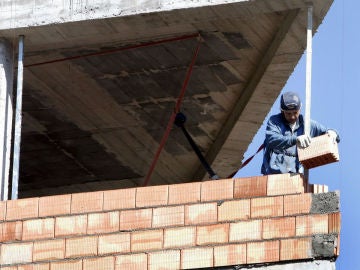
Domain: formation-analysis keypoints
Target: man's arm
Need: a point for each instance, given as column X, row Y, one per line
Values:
column 274, row 137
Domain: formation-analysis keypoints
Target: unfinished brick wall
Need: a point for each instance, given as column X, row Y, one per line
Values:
column 227, row 222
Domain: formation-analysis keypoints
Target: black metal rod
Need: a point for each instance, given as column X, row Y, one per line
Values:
column 179, row 121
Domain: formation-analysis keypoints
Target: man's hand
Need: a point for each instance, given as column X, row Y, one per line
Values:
column 332, row 134
column 303, row 141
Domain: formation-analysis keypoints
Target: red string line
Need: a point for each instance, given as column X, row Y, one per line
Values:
column 153, row 43
column 173, row 115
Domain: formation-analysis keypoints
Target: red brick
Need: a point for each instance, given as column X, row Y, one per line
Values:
column 250, row 187
column 131, row 262
column 119, row 199
column 146, row 240
column 197, row 258
column 103, row 222
column 54, row 205
column 218, row 233
column 295, row 249
column 334, row 222
column 297, row 204
column 184, row 193
column 16, row 253
column 262, row 252
column 103, row 263
column 37, row 266
column 70, row 225
column 152, row 196
column 87, row 202
column 267, row 207
column 317, row 188
column 114, row 243
column 9, row 268
column 168, row 216
column 312, row 224
column 179, row 237
column 22, row 208
column 278, row 228
column 230, row 255
column 81, row 246
column 2, row 210
column 68, row 265
column 323, row 150
column 135, row 219
column 164, row 259
column 245, row 230
column 10, row 231
column 234, row 210
column 200, row 213
column 49, row 250
column 38, row 229
column 217, row 190
column 279, row 184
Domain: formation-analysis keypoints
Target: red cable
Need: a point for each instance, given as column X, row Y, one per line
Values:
column 247, row 161
column 115, row 50
column 173, row 115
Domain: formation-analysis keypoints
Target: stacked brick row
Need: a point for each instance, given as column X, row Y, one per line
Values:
column 227, row 222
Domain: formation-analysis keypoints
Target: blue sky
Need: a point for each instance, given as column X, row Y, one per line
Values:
column 335, row 100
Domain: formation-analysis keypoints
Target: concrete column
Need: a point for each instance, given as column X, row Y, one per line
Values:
column 6, row 113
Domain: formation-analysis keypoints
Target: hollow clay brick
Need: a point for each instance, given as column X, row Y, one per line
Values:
column 230, row 255
column 54, row 205
column 132, row 261
column 250, row 187
column 200, row 213
column 234, row 210
column 184, row 193
column 70, row 225
column 217, row 190
column 280, row 184
column 87, row 202
column 22, row 208
column 103, row 222
column 179, row 237
column 119, row 199
column 135, row 219
column 169, row 259
column 197, row 258
column 168, row 216
column 321, row 151
column 38, row 229
column 114, row 243
column 49, row 250
column 152, row 196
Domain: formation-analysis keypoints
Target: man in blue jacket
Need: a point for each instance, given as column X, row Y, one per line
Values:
column 283, row 132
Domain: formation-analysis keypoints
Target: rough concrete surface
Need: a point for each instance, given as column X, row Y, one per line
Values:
column 324, row 245
column 325, row 203
column 34, row 13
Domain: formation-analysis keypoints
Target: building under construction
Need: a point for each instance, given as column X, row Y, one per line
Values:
column 115, row 113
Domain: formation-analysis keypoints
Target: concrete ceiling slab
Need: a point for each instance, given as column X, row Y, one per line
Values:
column 100, row 87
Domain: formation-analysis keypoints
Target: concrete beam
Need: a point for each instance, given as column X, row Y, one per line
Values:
column 248, row 90
column 20, row 14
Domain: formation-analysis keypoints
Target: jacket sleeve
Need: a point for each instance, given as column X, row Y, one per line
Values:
column 274, row 137
column 318, row 129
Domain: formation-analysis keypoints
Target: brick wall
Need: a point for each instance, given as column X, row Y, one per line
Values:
column 261, row 219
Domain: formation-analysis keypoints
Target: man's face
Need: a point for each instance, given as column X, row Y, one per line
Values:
column 291, row 116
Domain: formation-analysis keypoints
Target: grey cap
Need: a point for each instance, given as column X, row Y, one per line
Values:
column 290, row 101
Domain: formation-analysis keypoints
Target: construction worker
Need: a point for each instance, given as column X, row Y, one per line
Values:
column 283, row 132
